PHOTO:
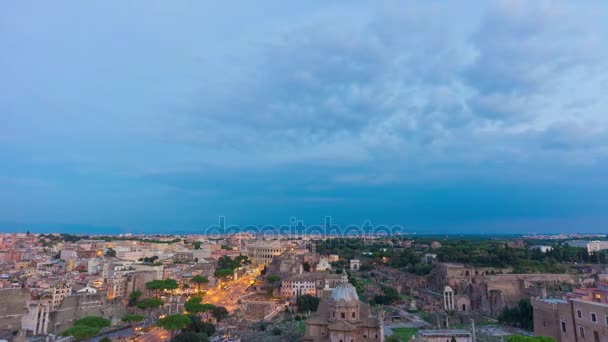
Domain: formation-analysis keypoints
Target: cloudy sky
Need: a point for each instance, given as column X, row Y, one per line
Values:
column 441, row 116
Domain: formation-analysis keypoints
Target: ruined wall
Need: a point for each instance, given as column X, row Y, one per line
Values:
column 74, row 307
column 13, row 304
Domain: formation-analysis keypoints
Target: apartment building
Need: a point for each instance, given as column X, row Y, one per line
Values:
column 580, row 317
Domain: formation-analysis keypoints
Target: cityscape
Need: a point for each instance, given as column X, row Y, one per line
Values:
column 244, row 287
column 317, row 171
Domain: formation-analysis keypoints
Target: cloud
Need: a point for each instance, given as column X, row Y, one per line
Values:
column 323, row 97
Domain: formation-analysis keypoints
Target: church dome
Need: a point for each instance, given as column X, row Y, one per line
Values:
column 345, row 292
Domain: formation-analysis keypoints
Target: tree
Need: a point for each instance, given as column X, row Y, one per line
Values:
column 161, row 285
column 199, row 280
column 174, row 322
column 105, row 339
column 110, row 253
column 93, row 321
column 150, row 304
column 198, row 326
column 219, row 312
column 86, row 327
column 223, row 272
column 273, row 278
column 307, row 303
column 193, row 305
column 81, row 332
column 521, row 316
column 134, row 297
column 197, row 245
column 191, row 336
column 392, row 338
column 132, row 318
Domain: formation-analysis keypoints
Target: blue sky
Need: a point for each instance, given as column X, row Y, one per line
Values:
column 441, row 116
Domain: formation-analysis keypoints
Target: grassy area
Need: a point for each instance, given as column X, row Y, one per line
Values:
column 405, row 334
column 365, row 281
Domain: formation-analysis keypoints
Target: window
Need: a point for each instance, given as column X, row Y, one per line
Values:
column 563, row 326
column 581, row 331
column 579, row 314
column 353, row 315
column 593, row 317
column 343, row 315
column 596, row 336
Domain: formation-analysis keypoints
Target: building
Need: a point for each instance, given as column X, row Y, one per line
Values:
column 323, row 265
column 342, row 317
column 444, row 335
column 581, row 316
column 312, row 283
column 59, row 292
column 262, row 252
column 596, row 246
column 117, row 287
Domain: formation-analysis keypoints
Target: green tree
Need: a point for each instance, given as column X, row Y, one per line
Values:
column 199, row 280
column 198, row 326
column 149, row 304
column 174, row 322
column 110, row 253
column 93, row 321
column 392, row 338
column 307, row 303
column 134, row 297
column 521, row 316
column 105, row 339
column 81, row 332
column 86, row 327
column 219, row 312
column 190, row 336
column 273, row 278
column 132, row 318
column 158, row 286
column 193, row 305
column 223, row 272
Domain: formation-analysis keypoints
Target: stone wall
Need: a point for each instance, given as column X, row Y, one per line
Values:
column 74, row 307
column 13, row 304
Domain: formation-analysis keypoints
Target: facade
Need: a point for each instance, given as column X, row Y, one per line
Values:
column 444, row 335
column 582, row 316
column 596, row 246
column 262, row 252
column 342, row 317
column 117, row 287
column 59, row 292
column 312, row 283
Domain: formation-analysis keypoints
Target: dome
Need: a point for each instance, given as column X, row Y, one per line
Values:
column 346, row 292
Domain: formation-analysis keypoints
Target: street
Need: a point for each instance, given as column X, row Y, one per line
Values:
column 228, row 298
column 155, row 335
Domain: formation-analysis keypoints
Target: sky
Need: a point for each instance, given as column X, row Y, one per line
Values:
column 438, row 116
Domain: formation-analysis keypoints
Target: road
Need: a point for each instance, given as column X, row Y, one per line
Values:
column 228, row 298
column 155, row 335
column 115, row 335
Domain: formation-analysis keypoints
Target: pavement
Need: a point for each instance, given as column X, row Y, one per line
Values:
column 228, row 298
column 155, row 335
column 115, row 335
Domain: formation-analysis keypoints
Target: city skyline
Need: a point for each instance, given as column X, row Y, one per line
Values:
column 444, row 117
